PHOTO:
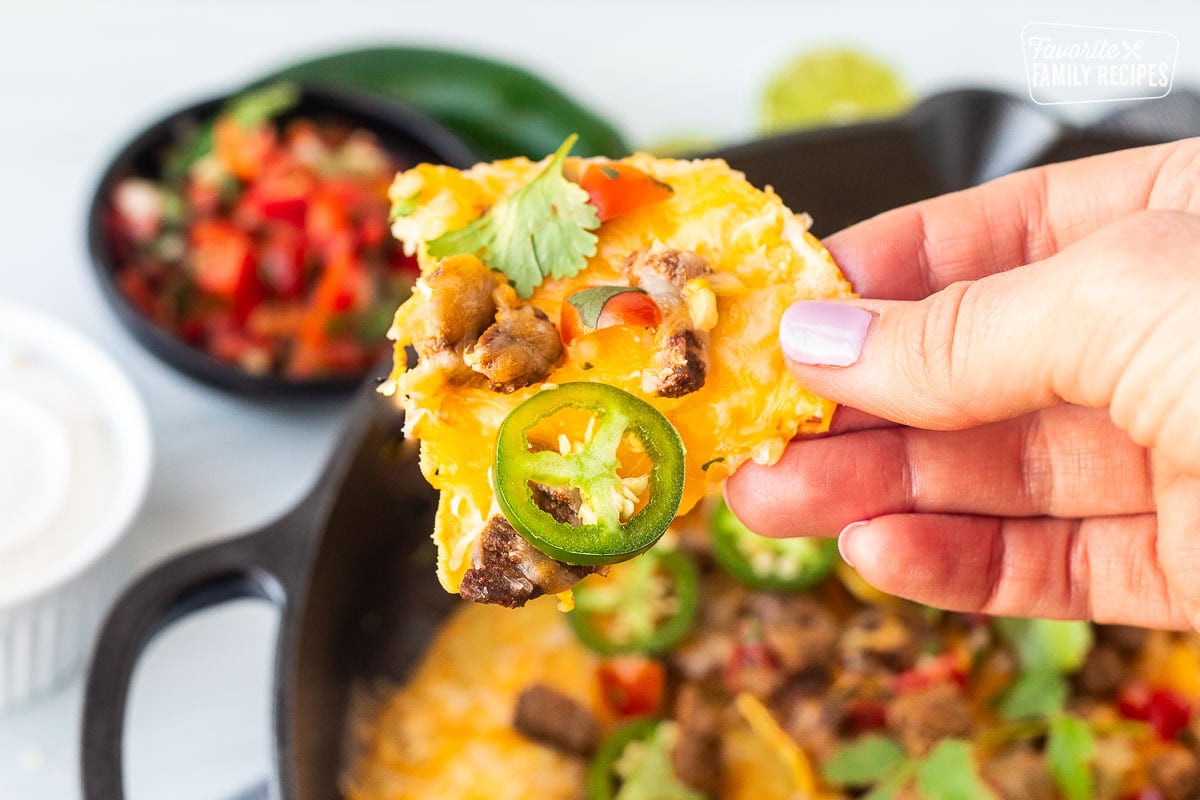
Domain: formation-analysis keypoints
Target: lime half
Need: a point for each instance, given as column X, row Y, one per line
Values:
column 831, row 87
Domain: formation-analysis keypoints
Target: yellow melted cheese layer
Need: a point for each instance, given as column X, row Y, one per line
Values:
column 749, row 406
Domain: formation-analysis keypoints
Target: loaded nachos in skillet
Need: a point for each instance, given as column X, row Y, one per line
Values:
column 595, row 348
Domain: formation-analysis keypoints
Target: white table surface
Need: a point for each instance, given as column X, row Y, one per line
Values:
column 76, row 78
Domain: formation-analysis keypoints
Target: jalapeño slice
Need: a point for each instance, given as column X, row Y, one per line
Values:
column 646, row 606
column 591, row 469
column 634, row 763
column 769, row 564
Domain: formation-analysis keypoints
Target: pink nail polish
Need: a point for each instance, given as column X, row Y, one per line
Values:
column 823, row 334
column 844, row 537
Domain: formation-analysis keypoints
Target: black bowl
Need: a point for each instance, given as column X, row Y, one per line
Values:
column 405, row 133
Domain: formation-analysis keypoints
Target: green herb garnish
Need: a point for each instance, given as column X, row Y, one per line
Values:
column 403, row 206
column 542, row 230
column 251, row 109
column 864, row 762
column 949, row 773
column 1069, row 749
column 1037, row 692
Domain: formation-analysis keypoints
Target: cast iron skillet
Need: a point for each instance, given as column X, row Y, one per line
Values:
column 402, row 131
column 352, row 567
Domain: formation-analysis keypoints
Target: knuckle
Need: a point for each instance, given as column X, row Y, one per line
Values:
column 939, row 356
column 1175, row 185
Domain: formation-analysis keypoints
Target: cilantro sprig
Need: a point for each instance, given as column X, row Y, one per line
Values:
column 1049, row 651
column 544, row 229
column 948, row 772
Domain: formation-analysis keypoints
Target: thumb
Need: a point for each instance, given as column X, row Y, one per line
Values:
column 1096, row 324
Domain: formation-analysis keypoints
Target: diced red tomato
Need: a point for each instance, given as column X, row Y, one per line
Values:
column 1146, row 793
column 282, row 193
column 626, row 308
column 222, row 258
column 948, row 667
column 373, row 230
column 630, row 308
column 751, row 667
column 1167, row 711
column 632, row 685
column 615, row 189
column 327, row 218
column 286, row 247
column 863, row 715
column 136, row 288
column 281, row 261
column 243, row 151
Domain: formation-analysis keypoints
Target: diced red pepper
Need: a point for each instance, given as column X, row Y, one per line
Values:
column 632, row 685
column 616, row 189
column 1166, row 710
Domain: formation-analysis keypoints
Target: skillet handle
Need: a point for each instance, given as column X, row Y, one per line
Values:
column 258, row 565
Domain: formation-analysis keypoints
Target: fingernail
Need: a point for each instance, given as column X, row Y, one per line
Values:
column 823, row 334
column 844, row 539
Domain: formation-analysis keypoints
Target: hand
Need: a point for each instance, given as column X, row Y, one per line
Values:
column 1021, row 433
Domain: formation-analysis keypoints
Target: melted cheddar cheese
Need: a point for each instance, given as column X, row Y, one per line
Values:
column 763, row 259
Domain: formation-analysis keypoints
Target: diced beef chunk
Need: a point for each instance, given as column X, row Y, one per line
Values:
column 1102, row 672
column 459, row 306
column 1176, row 773
column 1018, row 773
column 1127, row 639
column 875, row 638
column 561, row 503
column 518, row 349
column 812, row 720
column 919, row 719
column 679, row 366
column 508, row 571
column 696, row 757
column 799, row 631
column 548, row 716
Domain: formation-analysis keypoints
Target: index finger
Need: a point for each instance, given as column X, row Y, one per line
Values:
column 913, row 251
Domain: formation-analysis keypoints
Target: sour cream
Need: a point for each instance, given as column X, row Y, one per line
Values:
column 75, row 458
column 58, row 465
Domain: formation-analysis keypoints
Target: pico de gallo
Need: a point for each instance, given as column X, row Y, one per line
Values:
column 264, row 240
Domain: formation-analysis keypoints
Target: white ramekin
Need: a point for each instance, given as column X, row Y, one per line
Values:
column 46, row 628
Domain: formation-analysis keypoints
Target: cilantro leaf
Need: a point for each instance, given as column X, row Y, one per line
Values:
column 250, row 109
column 646, row 771
column 260, row 106
column 949, row 773
column 403, row 206
column 888, row 789
column 1060, row 645
column 1037, row 692
column 542, row 230
column 1068, row 749
column 864, row 761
